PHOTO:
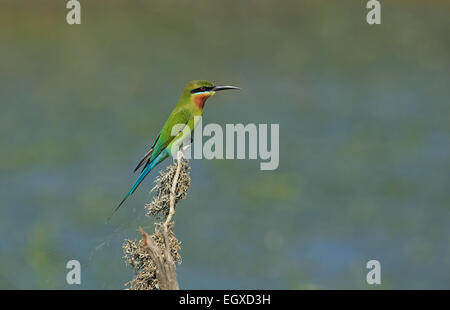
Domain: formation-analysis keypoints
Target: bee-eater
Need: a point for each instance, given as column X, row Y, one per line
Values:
column 190, row 105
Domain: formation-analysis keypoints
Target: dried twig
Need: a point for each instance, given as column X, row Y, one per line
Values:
column 165, row 265
column 164, row 200
column 154, row 257
column 172, row 191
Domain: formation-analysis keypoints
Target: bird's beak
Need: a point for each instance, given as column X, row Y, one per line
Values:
column 217, row 88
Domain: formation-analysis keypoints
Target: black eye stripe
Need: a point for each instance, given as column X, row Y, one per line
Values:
column 201, row 89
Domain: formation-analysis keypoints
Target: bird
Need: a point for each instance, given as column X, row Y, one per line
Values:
column 190, row 105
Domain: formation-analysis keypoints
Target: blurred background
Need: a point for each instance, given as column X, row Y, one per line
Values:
column 364, row 120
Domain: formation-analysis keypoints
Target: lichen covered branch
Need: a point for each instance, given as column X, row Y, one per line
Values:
column 163, row 261
column 154, row 257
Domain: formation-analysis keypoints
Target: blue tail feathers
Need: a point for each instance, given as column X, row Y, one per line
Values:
column 163, row 155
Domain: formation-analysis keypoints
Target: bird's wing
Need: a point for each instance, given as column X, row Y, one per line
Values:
column 178, row 116
column 147, row 155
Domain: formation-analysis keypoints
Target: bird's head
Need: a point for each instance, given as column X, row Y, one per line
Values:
column 200, row 90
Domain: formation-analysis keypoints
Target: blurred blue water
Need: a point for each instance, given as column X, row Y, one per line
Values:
column 364, row 142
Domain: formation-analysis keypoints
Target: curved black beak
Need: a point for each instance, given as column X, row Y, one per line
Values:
column 218, row 88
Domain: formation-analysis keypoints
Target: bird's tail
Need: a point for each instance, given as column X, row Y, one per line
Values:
column 141, row 178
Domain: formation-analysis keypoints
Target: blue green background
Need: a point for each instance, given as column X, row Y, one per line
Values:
column 364, row 121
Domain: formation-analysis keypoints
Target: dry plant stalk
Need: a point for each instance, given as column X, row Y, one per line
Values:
column 153, row 258
column 166, row 189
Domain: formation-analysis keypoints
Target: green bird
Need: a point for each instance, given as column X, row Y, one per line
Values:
column 189, row 106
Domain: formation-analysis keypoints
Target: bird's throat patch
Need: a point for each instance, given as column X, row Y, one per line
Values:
column 199, row 99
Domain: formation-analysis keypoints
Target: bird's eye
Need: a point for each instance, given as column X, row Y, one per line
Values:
column 203, row 88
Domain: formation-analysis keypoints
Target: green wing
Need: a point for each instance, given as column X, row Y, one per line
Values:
column 178, row 116
column 147, row 156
